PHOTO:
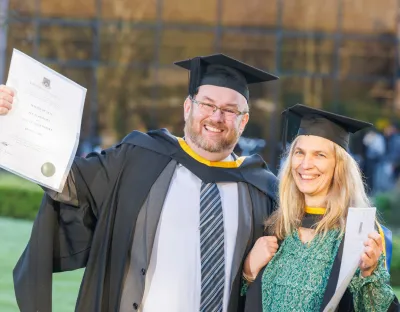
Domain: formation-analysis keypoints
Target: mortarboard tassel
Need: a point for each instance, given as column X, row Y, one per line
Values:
column 195, row 75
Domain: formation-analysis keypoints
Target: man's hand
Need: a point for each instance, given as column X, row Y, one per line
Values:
column 6, row 99
column 372, row 251
column 260, row 255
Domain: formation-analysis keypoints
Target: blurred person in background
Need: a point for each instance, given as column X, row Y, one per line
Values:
column 392, row 134
column 297, row 267
column 375, row 147
column 160, row 223
column 388, row 165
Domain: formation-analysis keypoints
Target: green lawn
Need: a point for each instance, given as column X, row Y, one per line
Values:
column 16, row 181
column 14, row 236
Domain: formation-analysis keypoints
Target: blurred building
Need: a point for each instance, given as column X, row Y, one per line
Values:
column 339, row 55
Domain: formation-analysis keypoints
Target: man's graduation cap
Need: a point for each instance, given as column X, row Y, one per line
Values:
column 222, row 71
column 303, row 120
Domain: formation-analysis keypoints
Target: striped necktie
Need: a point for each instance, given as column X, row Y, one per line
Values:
column 211, row 248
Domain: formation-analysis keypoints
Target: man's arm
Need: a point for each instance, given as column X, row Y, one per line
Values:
column 91, row 179
column 68, row 195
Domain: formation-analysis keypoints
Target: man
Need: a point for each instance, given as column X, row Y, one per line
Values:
column 160, row 223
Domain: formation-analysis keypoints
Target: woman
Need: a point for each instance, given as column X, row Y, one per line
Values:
column 318, row 182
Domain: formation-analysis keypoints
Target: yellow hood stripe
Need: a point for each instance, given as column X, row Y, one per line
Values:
column 221, row 164
column 383, row 239
column 315, row 210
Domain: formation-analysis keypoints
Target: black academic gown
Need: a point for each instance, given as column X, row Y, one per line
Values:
column 98, row 235
column 254, row 295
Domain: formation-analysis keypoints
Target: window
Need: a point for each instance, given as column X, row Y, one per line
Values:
column 20, row 36
column 368, row 58
column 194, row 12
column 316, row 92
column 20, row 8
column 366, row 100
column 124, row 101
column 257, row 50
column 66, row 42
column 307, row 55
column 82, row 76
column 180, row 44
column 249, row 13
column 125, row 45
column 171, row 94
column 311, row 15
column 370, row 16
column 129, row 10
column 69, row 9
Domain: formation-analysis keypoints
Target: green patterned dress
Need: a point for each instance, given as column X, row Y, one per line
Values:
column 296, row 278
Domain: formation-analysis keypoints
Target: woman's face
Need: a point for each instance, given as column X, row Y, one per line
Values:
column 313, row 164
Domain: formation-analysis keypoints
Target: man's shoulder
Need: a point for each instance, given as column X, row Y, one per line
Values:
column 136, row 137
column 159, row 141
column 271, row 182
column 260, row 176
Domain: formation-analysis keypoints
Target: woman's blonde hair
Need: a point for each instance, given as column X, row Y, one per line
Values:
column 346, row 190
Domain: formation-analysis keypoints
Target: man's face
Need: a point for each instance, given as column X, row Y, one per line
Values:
column 215, row 132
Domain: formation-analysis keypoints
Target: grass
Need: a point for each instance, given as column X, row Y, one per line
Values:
column 15, row 181
column 14, row 237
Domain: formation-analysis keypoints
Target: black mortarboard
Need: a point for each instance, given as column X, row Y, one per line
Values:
column 304, row 120
column 223, row 71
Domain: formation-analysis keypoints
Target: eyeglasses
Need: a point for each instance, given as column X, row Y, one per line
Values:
column 210, row 109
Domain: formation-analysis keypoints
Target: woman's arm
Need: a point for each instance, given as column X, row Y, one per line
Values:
column 259, row 256
column 370, row 285
column 372, row 293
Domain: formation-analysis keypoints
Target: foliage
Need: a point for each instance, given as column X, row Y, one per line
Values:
column 387, row 205
column 395, row 265
column 19, row 198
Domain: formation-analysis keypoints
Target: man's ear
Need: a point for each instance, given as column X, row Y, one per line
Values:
column 186, row 108
column 244, row 122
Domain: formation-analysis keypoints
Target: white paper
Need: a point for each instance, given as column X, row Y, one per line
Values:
column 360, row 222
column 40, row 134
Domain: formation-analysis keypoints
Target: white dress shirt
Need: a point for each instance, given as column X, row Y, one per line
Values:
column 173, row 281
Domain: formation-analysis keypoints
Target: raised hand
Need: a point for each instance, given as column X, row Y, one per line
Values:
column 6, row 99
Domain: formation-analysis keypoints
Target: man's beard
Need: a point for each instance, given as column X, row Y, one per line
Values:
column 212, row 146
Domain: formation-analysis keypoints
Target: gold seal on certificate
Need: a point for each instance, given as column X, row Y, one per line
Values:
column 48, row 169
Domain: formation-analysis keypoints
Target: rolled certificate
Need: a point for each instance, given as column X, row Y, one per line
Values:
column 40, row 134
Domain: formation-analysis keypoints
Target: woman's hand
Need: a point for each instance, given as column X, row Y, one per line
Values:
column 372, row 252
column 259, row 256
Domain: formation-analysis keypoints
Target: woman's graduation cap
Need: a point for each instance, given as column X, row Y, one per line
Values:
column 304, row 120
column 222, row 71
